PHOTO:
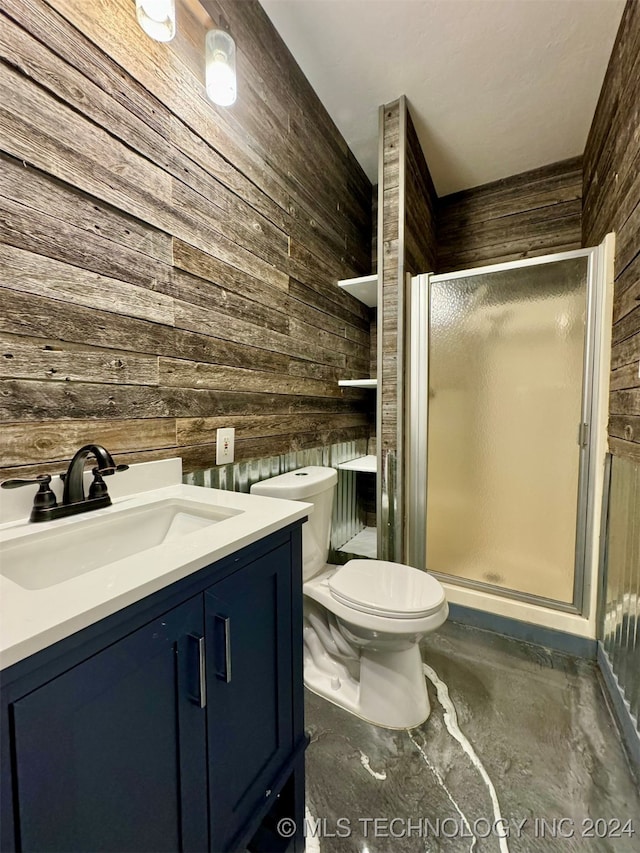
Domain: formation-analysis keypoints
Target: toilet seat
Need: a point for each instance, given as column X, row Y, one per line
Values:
column 382, row 588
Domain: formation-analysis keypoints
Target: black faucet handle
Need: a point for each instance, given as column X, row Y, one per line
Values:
column 44, row 498
column 108, row 470
column 41, row 480
column 98, row 488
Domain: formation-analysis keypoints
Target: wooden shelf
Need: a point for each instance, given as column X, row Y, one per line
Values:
column 364, row 288
column 358, row 383
column 366, row 464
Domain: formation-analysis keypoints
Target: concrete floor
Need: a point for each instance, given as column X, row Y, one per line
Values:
column 542, row 747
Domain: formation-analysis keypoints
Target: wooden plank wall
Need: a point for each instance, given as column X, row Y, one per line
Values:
column 389, row 228
column 167, row 266
column 407, row 204
column 389, row 209
column 533, row 213
column 373, row 363
column 421, row 201
column 611, row 196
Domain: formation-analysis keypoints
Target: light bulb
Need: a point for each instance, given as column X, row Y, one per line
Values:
column 157, row 18
column 220, row 51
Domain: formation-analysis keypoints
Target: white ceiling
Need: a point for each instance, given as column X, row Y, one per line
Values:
column 495, row 87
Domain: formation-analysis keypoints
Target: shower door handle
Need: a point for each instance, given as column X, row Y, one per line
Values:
column 583, row 434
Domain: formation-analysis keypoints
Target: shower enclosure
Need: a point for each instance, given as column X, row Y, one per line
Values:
column 500, row 407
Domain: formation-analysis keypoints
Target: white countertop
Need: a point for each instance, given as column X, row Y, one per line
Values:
column 32, row 619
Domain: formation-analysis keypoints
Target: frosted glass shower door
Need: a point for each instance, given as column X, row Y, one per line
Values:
column 506, row 361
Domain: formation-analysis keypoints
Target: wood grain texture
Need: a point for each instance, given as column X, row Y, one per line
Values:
column 203, row 430
column 25, row 400
column 28, row 443
column 203, row 456
column 407, row 233
column 168, row 266
column 420, row 208
column 44, row 276
column 533, row 213
column 388, row 270
column 59, row 361
column 611, row 193
column 50, row 218
column 409, row 226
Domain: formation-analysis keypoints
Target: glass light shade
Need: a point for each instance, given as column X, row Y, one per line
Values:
column 221, row 68
column 157, row 18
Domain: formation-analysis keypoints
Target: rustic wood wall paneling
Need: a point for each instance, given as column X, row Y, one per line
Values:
column 533, row 213
column 421, row 202
column 407, row 205
column 373, row 327
column 389, row 206
column 611, row 195
column 168, row 267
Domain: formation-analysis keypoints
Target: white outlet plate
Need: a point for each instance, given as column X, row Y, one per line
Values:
column 225, row 441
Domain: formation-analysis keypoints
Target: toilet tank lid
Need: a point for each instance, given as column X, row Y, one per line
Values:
column 297, row 485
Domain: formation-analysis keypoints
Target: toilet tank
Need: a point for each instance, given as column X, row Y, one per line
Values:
column 315, row 485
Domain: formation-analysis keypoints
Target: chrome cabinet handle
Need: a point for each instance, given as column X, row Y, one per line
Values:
column 201, row 698
column 225, row 675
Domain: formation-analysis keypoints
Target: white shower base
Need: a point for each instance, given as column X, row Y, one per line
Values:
column 534, row 614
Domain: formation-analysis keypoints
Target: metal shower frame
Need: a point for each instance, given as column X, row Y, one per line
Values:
column 416, row 462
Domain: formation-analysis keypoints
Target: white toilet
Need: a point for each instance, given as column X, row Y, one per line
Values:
column 364, row 620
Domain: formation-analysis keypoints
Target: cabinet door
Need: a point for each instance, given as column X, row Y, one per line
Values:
column 249, row 684
column 109, row 755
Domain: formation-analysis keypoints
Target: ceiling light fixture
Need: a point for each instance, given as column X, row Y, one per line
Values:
column 157, row 18
column 220, row 53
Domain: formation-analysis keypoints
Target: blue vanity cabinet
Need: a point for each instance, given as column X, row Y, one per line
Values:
column 175, row 724
column 97, row 766
column 248, row 621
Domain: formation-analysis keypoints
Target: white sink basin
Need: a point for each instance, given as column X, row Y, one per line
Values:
column 60, row 576
column 45, row 557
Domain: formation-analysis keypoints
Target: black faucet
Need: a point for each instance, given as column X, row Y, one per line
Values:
column 74, row 478
column 74, row 501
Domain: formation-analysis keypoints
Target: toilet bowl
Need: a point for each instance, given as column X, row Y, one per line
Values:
column 362, row 621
